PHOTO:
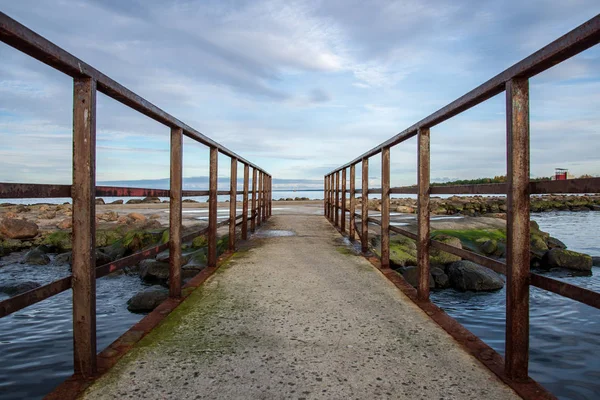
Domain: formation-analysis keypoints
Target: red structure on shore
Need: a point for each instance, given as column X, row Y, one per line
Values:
column 560, row 174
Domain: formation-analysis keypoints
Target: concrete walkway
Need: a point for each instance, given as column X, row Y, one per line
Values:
column 298, row 317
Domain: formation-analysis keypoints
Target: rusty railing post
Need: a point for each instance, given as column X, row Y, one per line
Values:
column 212, row 208
column 337, row 199
column 175, row 213
column 517, row 230
column 343, row 201
column 351, row 233
column 232, row 202
column 364, row 223
column 84, row 226
column 253, row 205
column 330, row 196
column 423, row 163
column 270, row 195
column 245, row 203
column 385, row 207
column 261, row 188
column 325, row 195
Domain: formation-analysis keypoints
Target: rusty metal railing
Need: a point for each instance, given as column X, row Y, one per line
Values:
column 87, row 81
column 515, row 82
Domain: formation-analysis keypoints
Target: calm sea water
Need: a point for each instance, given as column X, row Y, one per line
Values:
column 564, row 334
column 36, row 343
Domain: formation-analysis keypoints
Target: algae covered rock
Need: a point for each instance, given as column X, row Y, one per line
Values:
column 403, row 251
column 437, row 256
column 561, row 258
column 468, row 276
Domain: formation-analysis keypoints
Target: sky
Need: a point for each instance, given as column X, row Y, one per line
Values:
column 297, row 87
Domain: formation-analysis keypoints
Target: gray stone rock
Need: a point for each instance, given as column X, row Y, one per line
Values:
column 554, row 243
column 36, row 256
column 561, row 258
column 153, row 271
column 411, row 275
column 466, row 275
column 440, row 278
column 148, row 299
column 18, row 288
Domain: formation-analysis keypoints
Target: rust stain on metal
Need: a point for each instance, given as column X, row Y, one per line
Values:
column 517, row 229
column 352, row 228
column 175, row 213
column 364, row 226
column 232, row 203
column 212, row 208
column 423, row 165
column 245, row 202
column 84, row 226
column 385, row 207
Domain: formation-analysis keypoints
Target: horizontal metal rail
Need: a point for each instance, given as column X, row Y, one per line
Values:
column 39, row 191
column 38, row 47
column 579, row 39
column 87, row 82
column 517, row 191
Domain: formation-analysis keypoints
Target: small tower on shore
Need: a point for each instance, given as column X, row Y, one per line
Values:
column 560, row 174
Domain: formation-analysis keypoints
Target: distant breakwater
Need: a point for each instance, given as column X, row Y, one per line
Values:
column 482, row 205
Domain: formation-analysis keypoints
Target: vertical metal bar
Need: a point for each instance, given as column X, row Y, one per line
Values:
column 264, row 197
column 232, row 202
column 325, row 195
column 343, row 201
column 84, row 221
column 385, row 207
column 364, row 224
column 212, row 208
column 351, row 233
column 267, row 194
column 332, row 197
column 517, row 229
column 270, row 195
column 337, row 199
column 261, row 182
column 329, row 202
column 253, row 212
column 423, row 162
column 245, row 202
column 175, row 213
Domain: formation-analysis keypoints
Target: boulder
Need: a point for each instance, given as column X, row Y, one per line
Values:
column 134, row 201
column 151, row 200
column 36, row 256
column 196, row 260
column 137, row 217
column 466, row 275
column 47, row 215
column 489, row 247
column 148, row 299
column 109, row 216
column 411, row 275
column 440, row 278
column 561, row 258
column 437, row 256
column 13, row 228
column 64, row 258
column 153, row 271
column 155, row 216
column 66, row 223
column 117, row 202
column 596, row 261
column 100, row 200
column 200, row 241
column 13, row 289
column 554, row 243
column 405, row 209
